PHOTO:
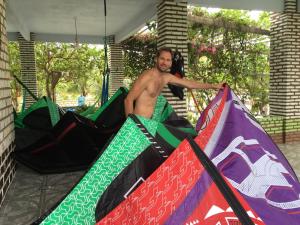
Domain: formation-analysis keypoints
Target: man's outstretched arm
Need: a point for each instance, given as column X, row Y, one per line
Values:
column 192, row 84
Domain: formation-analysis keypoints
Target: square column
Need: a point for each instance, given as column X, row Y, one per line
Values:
column 116, row 66
column 285, row 62
column 172, row 32
column 284, row 98
column 28, row 67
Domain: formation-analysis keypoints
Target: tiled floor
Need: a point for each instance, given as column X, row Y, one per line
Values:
column 31, row 195
column 292, row 153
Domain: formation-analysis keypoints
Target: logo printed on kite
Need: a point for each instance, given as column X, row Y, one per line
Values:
column 210, row 113
column 257, row 173
column 218, row 216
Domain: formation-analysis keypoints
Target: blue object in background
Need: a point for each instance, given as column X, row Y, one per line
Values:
column 81, row 100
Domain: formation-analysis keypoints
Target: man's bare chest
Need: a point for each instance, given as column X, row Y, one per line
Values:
column 155, row 87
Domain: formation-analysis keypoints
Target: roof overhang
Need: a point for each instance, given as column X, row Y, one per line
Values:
column 262, row 5
column 54, row 20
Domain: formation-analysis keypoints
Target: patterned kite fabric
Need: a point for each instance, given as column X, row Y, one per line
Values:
column 78, row 207
column 155, row 199
column 242, row 177
column 250, row 161
column 180, row 191
column 163, row 144
column 231, row 173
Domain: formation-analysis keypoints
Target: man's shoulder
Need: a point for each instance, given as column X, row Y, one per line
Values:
column 145, row 76
column 148, row 73
column 167, row 76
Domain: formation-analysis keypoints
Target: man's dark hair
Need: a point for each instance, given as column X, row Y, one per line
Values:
column 164, row 49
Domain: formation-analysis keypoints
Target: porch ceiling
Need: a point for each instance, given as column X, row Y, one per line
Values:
column 54, row 20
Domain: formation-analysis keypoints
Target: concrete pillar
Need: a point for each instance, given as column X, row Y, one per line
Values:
column 7, row 164
column 172, row 32
column 28, row 67
column 116, row 66
column 285, row 62
column 284, row 122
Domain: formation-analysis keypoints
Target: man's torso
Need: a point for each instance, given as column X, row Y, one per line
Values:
column 145, row 103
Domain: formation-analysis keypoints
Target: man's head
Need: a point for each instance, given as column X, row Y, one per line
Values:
column 164, row 59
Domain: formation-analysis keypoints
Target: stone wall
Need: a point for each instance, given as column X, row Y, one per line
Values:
column 7, row 164
column 282, row 129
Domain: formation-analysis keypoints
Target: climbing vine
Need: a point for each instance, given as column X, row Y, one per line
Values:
column 233, row 56
column 139, row 53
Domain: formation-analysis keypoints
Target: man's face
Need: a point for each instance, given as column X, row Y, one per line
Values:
column 164, row 61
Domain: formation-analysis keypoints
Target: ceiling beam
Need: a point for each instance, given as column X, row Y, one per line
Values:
column 17, row 21
column 69, row 38
column 272, row 6
column 135, row 25
column 63, row 38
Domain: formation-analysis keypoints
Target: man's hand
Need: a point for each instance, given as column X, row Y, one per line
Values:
column 217, row 86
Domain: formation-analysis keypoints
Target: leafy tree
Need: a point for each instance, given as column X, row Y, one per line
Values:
column 61, row 67
column 85, row 73
column 70, row 66
column 15, row 69
column 232, row 56
column 139, row 53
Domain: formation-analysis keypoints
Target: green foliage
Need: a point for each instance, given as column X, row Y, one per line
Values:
column 15, row 69
column 61, row 68
column 264, row 20
column 67, row 68
column 191, row 118
column 216, row 55
column 232, row 56
column 139, row 54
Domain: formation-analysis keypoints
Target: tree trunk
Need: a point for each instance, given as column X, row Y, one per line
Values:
column 54, row 81
column 53, row 94
column 48, row 89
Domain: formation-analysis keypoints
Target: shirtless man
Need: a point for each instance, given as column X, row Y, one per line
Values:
column 150, row 83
